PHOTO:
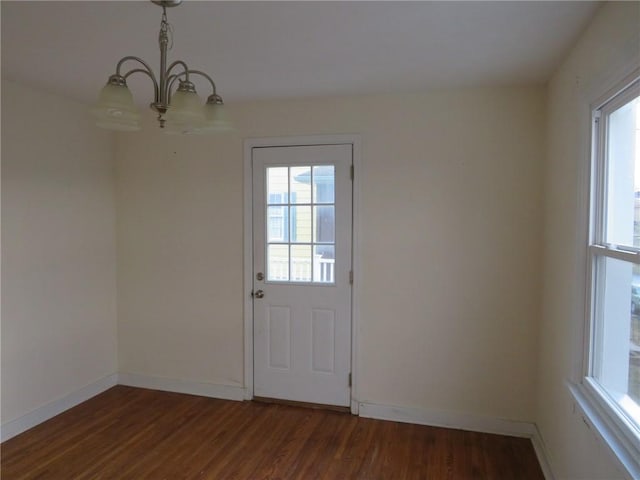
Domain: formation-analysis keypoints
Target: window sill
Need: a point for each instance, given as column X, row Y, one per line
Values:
column 598, row 415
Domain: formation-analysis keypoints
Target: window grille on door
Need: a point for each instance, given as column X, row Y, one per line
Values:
column 300, row 203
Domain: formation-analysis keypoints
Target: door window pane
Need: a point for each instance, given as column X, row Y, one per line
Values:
column 278, row 263
column 324, row 183
column 300, row 224
column 324, row 221
column 301, row 263
column 278, row 224
column 324, row 263
column 277, row 185
column 301, row 184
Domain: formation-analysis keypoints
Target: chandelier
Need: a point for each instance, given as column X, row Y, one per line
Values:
column 179, row 111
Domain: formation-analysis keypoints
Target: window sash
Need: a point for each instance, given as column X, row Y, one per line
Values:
column 611, row 421
column 626, row 254
column 599, row 174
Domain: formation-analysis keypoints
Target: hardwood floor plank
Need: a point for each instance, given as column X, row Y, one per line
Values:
column 132, row 433
column 288, row 451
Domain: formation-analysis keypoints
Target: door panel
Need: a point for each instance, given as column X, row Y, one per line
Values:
column 279, row 333
column 302, row 260
column 323, row 340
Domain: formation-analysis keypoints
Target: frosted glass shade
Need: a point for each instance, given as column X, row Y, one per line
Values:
column 185, row 109
column 115, row 109
column 216, row 118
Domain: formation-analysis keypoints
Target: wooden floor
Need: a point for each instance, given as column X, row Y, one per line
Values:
column 131, row 433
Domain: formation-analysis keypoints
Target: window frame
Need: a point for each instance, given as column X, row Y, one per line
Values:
column 599, row 410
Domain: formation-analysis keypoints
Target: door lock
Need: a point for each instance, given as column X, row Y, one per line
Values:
column 258, row 294
column 260, row 276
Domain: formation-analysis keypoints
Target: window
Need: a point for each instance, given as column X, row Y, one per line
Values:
column 611, row 382
column 301, row 224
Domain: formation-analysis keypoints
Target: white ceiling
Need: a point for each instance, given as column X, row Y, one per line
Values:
column 258, row 50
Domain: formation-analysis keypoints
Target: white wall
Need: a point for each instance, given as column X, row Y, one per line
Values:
column 450, row 228
column 58, row 251
column 179, row 224
column 610, row 45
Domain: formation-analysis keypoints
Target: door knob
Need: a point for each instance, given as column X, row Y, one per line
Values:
column 258, row 294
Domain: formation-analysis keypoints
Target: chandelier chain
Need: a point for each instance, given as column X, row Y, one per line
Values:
column 166, row 28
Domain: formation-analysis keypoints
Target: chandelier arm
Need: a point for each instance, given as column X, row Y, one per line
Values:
column 175, row 64
column 142, row 70
column 198, row 72
column 171, row 79
column 147, row 69
column 167, row 79
column 136, row 59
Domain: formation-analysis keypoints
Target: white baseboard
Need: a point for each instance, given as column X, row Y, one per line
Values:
column 437, row 418
column 543, row 456
column 463, row 421
column 225, row 392
column 50, row 410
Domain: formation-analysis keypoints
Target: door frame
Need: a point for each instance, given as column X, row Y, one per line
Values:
column 351, row 139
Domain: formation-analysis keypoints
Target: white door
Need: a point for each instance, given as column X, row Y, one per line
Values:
column 301, row 276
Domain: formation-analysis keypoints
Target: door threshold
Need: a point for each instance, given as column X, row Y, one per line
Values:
column 293, row 403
